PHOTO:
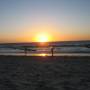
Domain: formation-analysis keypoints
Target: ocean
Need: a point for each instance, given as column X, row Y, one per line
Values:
column 65, row 48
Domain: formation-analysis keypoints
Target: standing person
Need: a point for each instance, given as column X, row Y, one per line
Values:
column 25, row 50
column 52, row 50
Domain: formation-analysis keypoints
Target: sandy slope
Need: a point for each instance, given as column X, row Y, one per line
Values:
column 44, row 73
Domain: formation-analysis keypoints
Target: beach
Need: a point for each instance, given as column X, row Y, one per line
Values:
column 44, row 73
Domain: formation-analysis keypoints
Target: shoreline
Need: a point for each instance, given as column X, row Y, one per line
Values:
column 44, row 58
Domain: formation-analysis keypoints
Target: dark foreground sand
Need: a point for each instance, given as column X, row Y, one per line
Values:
column 44, row 73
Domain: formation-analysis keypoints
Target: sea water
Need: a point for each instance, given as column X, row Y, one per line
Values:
column 46, row 51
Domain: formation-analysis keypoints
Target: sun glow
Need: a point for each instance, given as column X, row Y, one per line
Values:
column 42, row 38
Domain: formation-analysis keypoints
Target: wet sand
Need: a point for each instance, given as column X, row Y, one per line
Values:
column 44, row 73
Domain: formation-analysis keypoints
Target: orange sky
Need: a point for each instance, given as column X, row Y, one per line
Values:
column 59, row 20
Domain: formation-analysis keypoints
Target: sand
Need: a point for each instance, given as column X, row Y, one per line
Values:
column 44, row 73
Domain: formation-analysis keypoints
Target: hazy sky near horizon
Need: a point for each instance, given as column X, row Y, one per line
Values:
column 22, row 20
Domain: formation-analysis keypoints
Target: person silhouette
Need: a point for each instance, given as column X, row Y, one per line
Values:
column 25, row 50
column 52, row 51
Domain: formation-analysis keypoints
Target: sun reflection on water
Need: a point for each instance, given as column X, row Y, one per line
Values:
column 43, row 54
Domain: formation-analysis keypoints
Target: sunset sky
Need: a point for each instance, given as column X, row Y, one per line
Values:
column 59, row 20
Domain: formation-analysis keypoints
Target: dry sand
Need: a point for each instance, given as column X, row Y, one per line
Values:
column 44, row 73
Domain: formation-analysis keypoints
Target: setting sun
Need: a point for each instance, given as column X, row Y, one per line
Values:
column 42, row 38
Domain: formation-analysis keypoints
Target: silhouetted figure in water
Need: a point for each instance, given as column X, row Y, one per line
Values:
column 25, row 50
column 52, row 50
